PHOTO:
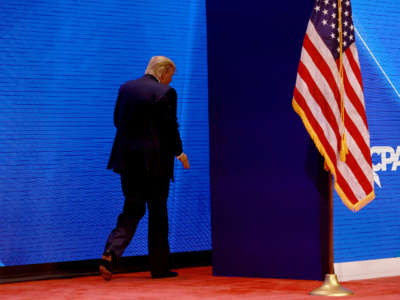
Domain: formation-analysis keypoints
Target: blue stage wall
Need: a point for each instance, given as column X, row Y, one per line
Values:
column 61, row 64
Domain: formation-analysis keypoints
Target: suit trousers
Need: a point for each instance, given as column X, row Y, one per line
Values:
column 139, row 191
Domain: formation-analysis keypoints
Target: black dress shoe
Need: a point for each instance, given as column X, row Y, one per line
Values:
column 164, row 275
column 105, row 268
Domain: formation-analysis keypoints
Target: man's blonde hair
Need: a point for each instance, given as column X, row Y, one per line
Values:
column 158, row 65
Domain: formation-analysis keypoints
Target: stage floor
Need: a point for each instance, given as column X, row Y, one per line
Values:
column 192, row 283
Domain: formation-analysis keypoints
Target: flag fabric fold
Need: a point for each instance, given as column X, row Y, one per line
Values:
column 329, row 98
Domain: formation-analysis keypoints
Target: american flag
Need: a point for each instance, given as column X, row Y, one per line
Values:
column 332, row 110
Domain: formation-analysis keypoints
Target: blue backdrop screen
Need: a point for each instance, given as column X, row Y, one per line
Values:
column 374, row 232
column 61, row 65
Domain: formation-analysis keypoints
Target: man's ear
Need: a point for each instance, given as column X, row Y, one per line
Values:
column 162, row 76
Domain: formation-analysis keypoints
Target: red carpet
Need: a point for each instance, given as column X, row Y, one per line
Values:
column 193, row 283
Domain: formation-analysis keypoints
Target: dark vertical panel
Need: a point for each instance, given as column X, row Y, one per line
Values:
column 265, row 208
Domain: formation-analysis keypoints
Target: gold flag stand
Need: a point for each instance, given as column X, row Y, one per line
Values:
column 331, row 285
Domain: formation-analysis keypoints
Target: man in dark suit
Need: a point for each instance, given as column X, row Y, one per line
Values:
column 145, row 145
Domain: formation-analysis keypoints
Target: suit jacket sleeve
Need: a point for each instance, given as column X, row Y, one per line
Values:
column 116, row 111
column 171, row 122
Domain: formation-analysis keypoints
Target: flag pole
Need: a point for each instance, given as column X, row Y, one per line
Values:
column 331, row 285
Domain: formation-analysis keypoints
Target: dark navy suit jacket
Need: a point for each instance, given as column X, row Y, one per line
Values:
column 147, row 138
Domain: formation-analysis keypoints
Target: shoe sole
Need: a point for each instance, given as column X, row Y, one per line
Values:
column 106, row 274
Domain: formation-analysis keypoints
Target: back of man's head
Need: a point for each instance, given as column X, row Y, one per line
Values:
column 158, row 65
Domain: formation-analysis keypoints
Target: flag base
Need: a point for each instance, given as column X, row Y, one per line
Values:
column 331, row 287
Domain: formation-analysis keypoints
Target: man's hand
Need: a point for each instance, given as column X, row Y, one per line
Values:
column 184, row 160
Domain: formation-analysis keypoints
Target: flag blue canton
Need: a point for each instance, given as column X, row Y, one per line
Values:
column 326, row 21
